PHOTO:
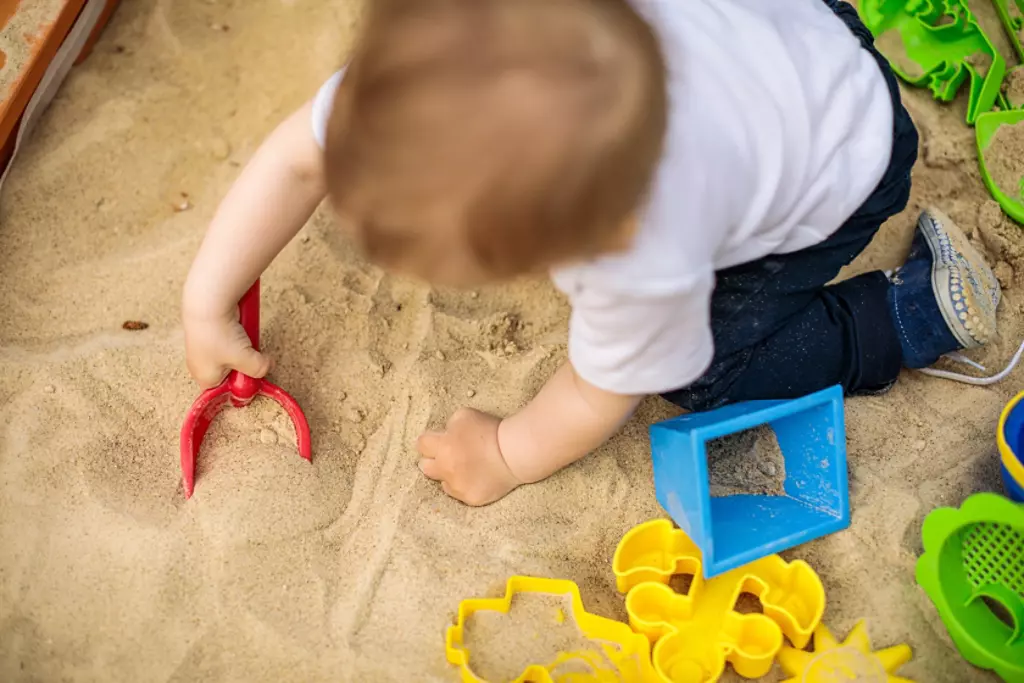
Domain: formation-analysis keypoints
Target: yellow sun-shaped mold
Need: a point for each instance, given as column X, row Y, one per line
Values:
column 851, row 661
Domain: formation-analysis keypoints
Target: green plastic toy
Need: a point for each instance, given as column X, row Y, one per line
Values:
column 1011, row 13
column 973, row 571
column 985, row 129
column 938, row 45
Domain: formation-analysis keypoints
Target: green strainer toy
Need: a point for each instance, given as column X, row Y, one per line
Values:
column 937, row 44
column 973, row 571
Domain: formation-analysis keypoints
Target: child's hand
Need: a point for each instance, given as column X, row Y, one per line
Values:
column 216, row 345
column 466, row 458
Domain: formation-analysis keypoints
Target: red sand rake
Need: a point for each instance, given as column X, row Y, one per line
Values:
column 240, row 390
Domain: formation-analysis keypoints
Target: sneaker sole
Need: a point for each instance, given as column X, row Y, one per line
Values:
column 965, row 287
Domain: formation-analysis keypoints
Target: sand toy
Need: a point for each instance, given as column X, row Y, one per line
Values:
column 937, row 44
column 852, row 660
column 734, row 530
column 44, row 40
column 1002, row 167
column 696, row 633
column 1010, row 438
column 619, row 655
column 240, row 390
column 1011, row 14
column 973, row 571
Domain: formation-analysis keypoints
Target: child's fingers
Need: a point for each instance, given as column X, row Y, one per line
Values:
column 208, row 377
column 253, row 363
column 430, row 468
column 429, row 444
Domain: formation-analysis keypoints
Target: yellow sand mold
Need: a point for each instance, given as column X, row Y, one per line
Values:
column 696, row 633
column 852, row 660
column 620, row 655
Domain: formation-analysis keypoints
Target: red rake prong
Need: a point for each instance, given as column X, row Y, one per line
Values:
column 302, row 436
column 198, row 420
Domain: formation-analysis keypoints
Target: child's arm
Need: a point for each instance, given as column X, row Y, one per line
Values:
column 269, row 203
column 479, row 458
column 568, row 418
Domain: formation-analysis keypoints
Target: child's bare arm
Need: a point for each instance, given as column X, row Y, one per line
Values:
column 479, row 458
column 568, row 418
column 269, row 203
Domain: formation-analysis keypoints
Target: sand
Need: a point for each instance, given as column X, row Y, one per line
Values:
column 1004, row 159
column 985, row 14
column 535, row 630
column 747, row 462
column 1013, row 87
column 892, row 46
column 981, row 62
column 351, row 568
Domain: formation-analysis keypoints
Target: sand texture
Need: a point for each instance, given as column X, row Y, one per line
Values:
column 535, row 630
column 349, row 569
column 892, row 46
column 747, row 462
column 1004, row 158
column 1013, row 87
column 987, row 17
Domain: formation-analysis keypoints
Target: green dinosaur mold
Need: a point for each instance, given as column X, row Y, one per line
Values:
column 937, row 44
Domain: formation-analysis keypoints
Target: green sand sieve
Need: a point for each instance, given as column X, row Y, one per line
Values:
column 991, row 554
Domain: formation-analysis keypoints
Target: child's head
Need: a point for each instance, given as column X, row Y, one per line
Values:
column 481, row 139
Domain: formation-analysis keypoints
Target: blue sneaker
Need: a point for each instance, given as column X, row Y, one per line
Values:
column 944, row 298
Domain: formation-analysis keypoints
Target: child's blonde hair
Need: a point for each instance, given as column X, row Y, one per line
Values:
column 538, row 123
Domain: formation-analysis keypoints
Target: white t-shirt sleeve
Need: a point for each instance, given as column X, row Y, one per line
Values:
column 642, row 344
column 323, row 103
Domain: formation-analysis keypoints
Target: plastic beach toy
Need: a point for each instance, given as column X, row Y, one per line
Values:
column 851, row 661
column 1011, row 14
column 937, row 44
column 1010, row 437
column 973, row 571
column 240, row 390
column 624, row 656
column 734, row 530
column 985, row 129
column 696, row 633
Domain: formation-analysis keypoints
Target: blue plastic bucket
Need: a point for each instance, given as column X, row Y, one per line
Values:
column 1010, row 437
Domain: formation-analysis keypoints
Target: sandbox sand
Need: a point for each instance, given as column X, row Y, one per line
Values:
column 748, row 462
column 892, row 46
column 1004, row 158
column 1013, row 88
column 348, row 569
column 535, row 630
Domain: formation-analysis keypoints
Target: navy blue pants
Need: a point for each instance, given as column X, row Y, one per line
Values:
column 779, row 331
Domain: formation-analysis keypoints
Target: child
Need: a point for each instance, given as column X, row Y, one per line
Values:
column 694, row 175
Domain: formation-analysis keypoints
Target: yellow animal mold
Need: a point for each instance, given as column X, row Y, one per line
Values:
column 697, row 633
column 620, row 655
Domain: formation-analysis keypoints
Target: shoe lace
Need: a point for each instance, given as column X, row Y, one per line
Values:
column 971, row 379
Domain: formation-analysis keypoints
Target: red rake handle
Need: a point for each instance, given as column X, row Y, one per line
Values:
column 249, row 314
column 242, row 387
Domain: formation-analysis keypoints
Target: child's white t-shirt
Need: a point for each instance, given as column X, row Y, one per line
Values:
column 780, row 127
